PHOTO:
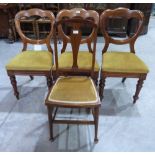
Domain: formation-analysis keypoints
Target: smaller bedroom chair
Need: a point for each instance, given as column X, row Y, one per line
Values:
column 74, row 91
column 30, row 62
column 122, row 64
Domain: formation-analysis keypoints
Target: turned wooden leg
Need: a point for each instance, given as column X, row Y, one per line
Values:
column 96, row 116
column 14, row 85
column 123, row 80
column 49, row 82
column 31, row 77
column 138, row 88
column 101, row 87
column 50, row 120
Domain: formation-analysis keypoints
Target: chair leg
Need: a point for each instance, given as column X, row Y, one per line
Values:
column 123, row 80
column 49, row 82
column 31, row 77
column 88, row 110
column 50, row 120
column 14, row 85
column 138, row 88
column 96, row 116
column 54, row 76
column 101, row 87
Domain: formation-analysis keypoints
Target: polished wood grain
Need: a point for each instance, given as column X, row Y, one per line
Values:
column 26, row 41
column 128, row 14
column 81, row 14
column 75, row 39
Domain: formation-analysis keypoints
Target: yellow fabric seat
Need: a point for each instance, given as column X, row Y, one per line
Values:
column 74, row 89
column 123, row 62
column 31, row 60
column 84, row 60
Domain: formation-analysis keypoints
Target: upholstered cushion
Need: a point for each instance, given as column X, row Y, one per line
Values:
column 84, row 60
column 78, row 89
column 31, row 60
column 123, row 62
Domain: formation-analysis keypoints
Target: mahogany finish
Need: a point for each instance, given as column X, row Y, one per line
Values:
column 75, row 39
column 81, row 14
column 26, row 41
column 128, row 14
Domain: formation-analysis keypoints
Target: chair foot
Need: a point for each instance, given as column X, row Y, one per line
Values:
column 14, row 85
column 138, row 88
column 123, row 80
column 51, row 139
column 96, row 140
column 135, row 99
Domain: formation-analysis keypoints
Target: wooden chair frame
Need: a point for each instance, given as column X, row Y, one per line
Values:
column 126, row 13
column 26, row 40
column 83, row 14
column 75, row 40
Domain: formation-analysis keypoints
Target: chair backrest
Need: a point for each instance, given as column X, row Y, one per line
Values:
column 123, row 13
column 77, row 12
column 76, row 19
column 35, row 12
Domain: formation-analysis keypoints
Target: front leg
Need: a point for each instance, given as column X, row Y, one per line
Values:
column 14, row 85
column 96, row 118
column 138, row 88
column 50, row 120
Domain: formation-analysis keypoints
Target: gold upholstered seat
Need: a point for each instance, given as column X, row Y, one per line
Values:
column 84, row 60
column 31, row 60
column 123, row 62
column 28, row 62
column 78, row 90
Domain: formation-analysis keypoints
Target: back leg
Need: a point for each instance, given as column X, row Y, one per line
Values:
column 31, row 77
column 123, row 80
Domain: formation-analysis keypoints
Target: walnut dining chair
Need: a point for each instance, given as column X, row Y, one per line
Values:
column 30, row 62
column 74, row 90
column 84, row 57
column 122, row 64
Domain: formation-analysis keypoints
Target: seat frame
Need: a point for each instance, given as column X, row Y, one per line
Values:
column 72, row 13
column 26, row 40
column 75, row 40
column 124, row 13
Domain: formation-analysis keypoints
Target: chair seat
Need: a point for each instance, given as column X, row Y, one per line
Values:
column 84, row 60
column 123, row 62
column 31, row 60
column 74, row 90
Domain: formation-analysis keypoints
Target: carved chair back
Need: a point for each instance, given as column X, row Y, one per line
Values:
column 35, row 12
column 123, row 13
column 79, row 13
column 76, row 19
